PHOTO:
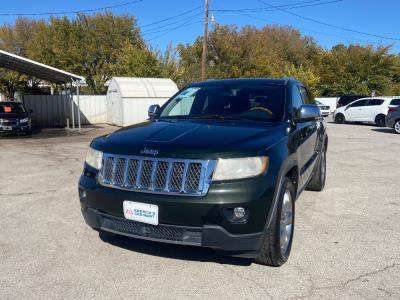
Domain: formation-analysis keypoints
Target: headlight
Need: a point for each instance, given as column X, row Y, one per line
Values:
column 94, row 158
column 24, row 120
column 237, row 168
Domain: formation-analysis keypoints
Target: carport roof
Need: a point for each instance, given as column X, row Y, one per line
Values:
column 33, row 68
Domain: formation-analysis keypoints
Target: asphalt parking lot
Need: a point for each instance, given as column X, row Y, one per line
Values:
column 346, row 243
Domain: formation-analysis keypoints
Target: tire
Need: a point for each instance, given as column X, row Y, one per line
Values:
column 277, row 239
column 396, row 126
column 340, row 118
column 380, row 120
column 317, row 182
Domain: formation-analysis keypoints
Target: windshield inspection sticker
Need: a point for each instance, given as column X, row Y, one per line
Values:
column 141, row 212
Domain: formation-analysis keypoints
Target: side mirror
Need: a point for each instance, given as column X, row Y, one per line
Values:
column 308, row 112
column 153, row 110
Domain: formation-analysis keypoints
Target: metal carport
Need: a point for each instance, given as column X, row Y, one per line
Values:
column 41, row 71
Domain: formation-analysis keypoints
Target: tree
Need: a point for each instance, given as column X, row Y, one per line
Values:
column 355, row 69
column 273, row 51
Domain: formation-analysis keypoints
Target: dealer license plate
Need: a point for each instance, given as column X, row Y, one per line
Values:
column 141, row 212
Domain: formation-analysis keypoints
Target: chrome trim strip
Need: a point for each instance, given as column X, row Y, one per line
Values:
column 207, row 169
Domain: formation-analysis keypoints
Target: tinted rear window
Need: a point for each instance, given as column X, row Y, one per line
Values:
column 375, row 102
column 395, row 102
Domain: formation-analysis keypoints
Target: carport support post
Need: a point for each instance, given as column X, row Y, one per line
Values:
column 72, row 108
column 79, row 107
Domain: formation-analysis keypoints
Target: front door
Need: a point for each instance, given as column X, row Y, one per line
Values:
column 356, row 110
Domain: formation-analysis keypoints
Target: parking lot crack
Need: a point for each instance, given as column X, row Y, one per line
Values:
column 371, row 273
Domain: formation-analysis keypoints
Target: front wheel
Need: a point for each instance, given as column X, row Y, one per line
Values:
column 380, row 120
column 317, row 181
column 277, row 239
column 339, row 118
column 396, row 127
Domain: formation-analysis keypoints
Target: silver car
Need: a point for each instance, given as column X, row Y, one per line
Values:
column 325, row 109
column 393, row 119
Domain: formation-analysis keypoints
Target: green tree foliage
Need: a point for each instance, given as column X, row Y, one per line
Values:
column 268, row 52
column 16, row 39
column 93, row 46
column 276, row 51
column 359, row 70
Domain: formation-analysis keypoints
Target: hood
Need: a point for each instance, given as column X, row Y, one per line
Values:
column 193, row 138
column 13, row 116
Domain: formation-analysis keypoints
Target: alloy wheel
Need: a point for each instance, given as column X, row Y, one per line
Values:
column 397, row 127
column 286, row 223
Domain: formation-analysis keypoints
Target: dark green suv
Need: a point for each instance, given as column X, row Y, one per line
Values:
column 219, row 165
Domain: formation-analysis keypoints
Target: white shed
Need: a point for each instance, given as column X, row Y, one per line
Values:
column 128, row 98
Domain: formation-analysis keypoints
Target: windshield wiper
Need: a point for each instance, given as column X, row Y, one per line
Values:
column 222, row 117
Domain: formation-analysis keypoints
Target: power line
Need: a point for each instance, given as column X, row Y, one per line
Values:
column 329, row 25
column 286, row 6
column 172, row 17
column 71, row 12
column 308, row 29
column 173, row 29
column 156, row 29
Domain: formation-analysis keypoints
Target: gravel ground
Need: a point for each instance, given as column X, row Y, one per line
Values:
column 346, row 242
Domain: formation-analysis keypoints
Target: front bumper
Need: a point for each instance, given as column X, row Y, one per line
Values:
column 198, row 221
column 15, row 129
column 389, row 122
column 215, row 237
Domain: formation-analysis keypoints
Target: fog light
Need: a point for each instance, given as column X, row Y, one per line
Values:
column 239, row 212
column 82, row 194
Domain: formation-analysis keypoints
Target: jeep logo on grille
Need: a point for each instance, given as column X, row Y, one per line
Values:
column 153, row 152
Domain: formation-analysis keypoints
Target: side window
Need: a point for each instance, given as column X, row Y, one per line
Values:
column 375, row 102
column 297, row 100
column 307, row 98
column 359, row 103
column 395, row 102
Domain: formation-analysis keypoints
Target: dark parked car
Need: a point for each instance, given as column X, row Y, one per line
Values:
column 220, row 165
column 393, row 118
column 344, row 100
column 14, row 118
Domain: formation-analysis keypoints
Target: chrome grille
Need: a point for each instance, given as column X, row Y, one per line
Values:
column 133, row 167
column 108, row 169
column 145, row 178
column 161, row 175
column 193, row 176
column 177, row 176
column 119, row 171
column 8, row 122
column 157, row 175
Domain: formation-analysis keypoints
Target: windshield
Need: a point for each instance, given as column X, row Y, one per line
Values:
column 11, row 107
column 256, row 102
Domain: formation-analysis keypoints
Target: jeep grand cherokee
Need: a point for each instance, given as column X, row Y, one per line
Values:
column 219, row 165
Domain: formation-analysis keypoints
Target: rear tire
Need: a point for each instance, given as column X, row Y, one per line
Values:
column 396, row 127
column 317, row 182
column 278, row 237
column 340, row 118
column 380, row 120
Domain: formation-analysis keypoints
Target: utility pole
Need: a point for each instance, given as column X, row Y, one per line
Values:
column 205, row 37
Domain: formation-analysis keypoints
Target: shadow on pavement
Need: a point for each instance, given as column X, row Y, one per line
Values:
column 384, row 130
column 172, row 251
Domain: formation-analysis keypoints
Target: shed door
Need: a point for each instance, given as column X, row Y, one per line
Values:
column 114, row 108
